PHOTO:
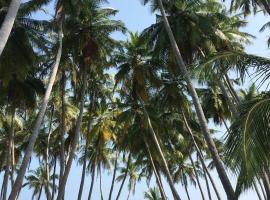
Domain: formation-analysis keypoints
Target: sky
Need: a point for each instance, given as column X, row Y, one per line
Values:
column 137, row 17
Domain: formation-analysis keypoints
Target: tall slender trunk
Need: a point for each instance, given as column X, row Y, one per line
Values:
column 39, row 194
column 125, row 177
column 54, row 174
column 84, row 167
column 8, row 22
column 47, row 156
column 63, row 127
column 161, row 189
column 164, row 162
column 231, row 89
column 114, row 175
column 75, row 140
column 92, row 184
column 200, row 154
column 100, row 185
column 8, row 166
column 200, row 114
column 257, row 191
column 197, row 177
column 186, row 189
column 207, row 184
column 32, row 140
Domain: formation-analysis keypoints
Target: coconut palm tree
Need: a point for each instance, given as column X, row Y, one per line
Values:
column 37, row 180
column 203, row 122
column 152, row 194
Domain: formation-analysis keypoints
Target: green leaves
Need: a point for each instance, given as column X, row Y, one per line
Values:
column 248, row 141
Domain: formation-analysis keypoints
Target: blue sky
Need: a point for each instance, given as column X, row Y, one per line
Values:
column 137, row 17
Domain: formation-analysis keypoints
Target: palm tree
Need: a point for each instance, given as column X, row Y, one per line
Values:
column 96, row 48
column 28, row 152
column 135, row 71
column 37, row 180
column 152, row 194
column 203, row 122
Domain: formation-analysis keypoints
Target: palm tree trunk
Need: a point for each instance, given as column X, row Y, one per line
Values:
column 161, row 189
column 207, row 184
column 47, row 156
column 54, row 174
column 125, row 177
column 231, row 89
column 92, row 184
column 197, row 177
column 164, row 162
column 8, row 23
column 9, row 155
column 187, row 192
column 84, row 167
column 32, row 140
column 75, row 141
column 200, row 154
column 100, row 185
column 114, row 175
column 63, row 130
column 200, row 114
column 39, row 195
column 257, row 191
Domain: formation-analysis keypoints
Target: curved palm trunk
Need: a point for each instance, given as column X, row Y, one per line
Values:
column 74, row 142
column 197, row 177
column 162, row 192
column 9, row 156
column 125, row 177
column 92, row 184
column 114, row 175
column 8, row 23
column 200, row 114
column 32, row 140
column 200, row 155
column 164, row 162
column 84, row 168
column 62, row 146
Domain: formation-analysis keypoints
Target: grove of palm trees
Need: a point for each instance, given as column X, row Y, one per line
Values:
column 177, row 111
